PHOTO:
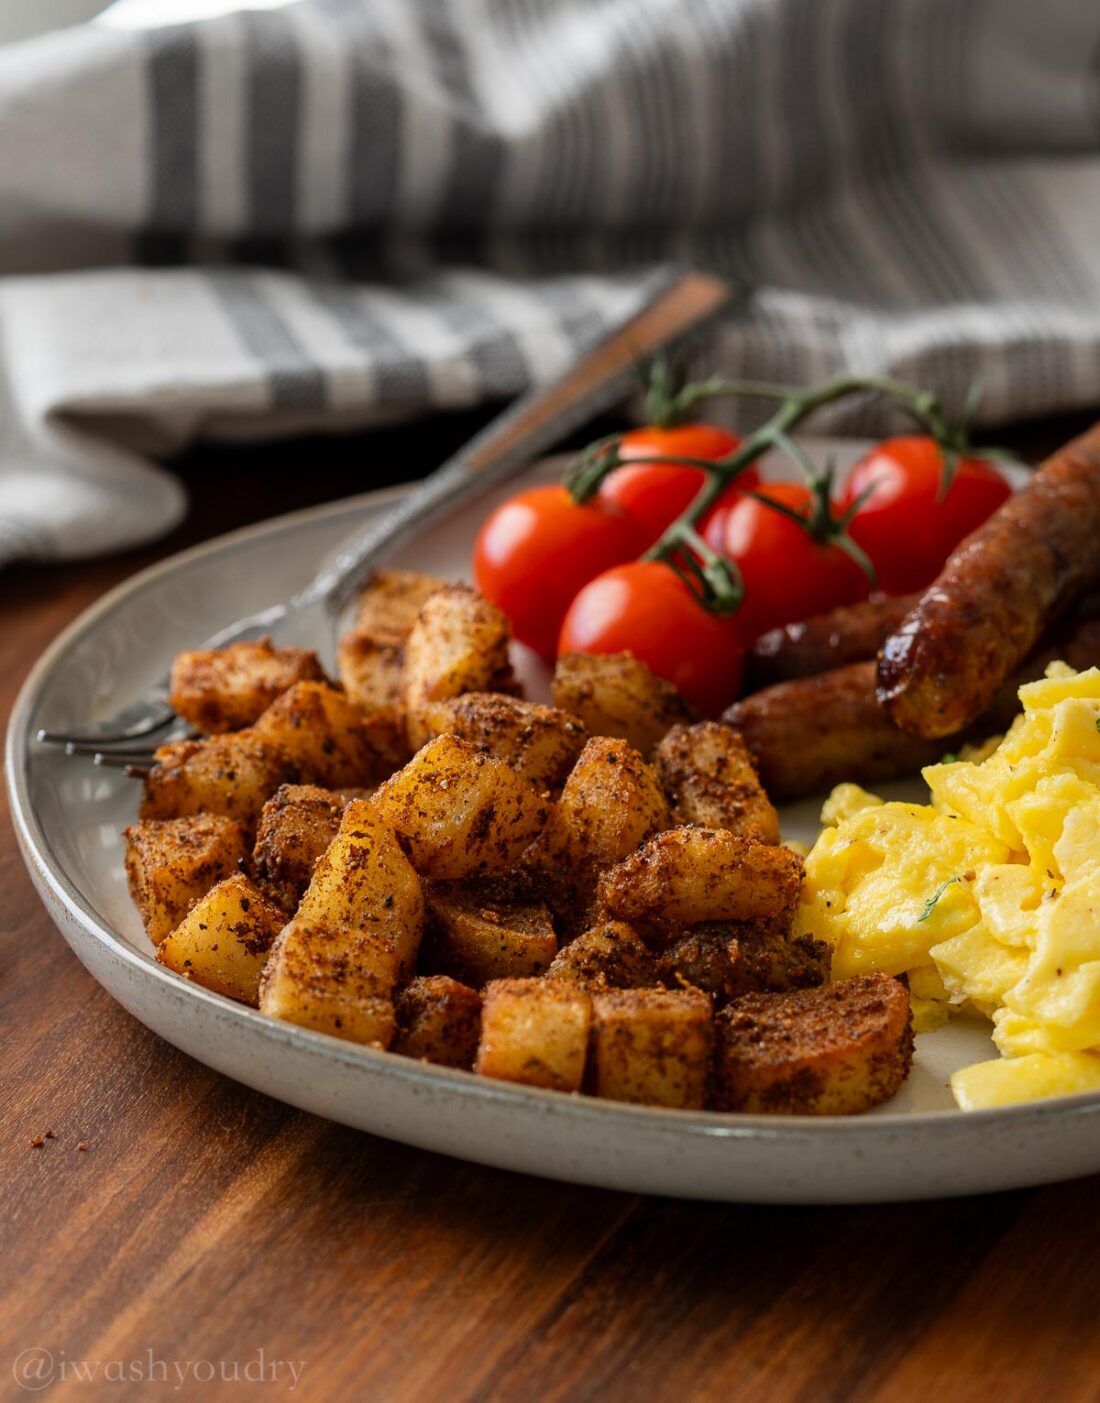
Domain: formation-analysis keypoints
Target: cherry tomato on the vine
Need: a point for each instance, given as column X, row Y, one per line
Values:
column 655, row 494
column 645, row 608
column 788, row 574
column 903, row 525
column 535, row 551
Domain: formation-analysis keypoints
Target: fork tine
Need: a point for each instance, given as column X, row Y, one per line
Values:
column 113, row 761
column 117, row 757
column 157, row 719
column 96, row 747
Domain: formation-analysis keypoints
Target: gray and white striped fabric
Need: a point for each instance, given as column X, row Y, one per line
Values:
column 343, row 212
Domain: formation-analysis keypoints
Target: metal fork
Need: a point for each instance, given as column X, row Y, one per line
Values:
column 680, row 305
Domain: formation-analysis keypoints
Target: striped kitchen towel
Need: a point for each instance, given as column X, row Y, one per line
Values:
column 341, row 212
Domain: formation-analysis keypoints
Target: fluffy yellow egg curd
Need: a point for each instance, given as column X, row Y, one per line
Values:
column 987, row 898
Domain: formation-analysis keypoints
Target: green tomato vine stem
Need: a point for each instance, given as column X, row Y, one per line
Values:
column 714, row 579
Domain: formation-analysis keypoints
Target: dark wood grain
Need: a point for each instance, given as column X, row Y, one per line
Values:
column 204, row 1222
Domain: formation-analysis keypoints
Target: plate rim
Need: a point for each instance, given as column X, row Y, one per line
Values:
column 37, row 852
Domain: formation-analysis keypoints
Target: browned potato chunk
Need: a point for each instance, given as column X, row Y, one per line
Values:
column 690, row 875
column 332, row 981
column 230, row 775
column 461, row 812
column 732, row 958
column 226, row 689
column 535, row 1031
column 617, row 695
column 539, row 742
column 172, row 862
column 373, row 676
column 652, row 1046
column 390, row 602
column 833, row 1051
column 364, row 882
column 324, row 733
column 477, row 937
column 297, row 824
column 355, row 936
column 711, row 963
column 438, row 1020
column 708, row 775
column 611, row 802
column 458, row 644
column 770, row 959
column 223, row 941
column 608, row 956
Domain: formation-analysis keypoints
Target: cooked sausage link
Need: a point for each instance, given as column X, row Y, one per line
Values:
column 809, row 734
column 997, row 593
column 850, row 634
column 814, row 732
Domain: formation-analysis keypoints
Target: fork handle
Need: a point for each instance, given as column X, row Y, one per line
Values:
column 530, row 426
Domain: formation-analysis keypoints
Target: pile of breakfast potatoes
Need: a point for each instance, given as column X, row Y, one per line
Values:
column 587, row 897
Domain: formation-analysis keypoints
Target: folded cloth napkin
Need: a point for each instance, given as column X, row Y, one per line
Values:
column 341, row 212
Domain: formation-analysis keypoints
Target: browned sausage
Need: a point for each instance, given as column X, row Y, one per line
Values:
column 851, row 634
column 997, row 593
column 809, row 734
column 814, row 732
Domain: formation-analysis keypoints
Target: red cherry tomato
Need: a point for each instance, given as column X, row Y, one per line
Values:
column 655, row 494
column 536, row 551
column 903, row 526
column 646, row 609
column 788, row 575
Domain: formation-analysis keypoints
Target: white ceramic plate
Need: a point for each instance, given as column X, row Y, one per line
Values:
column 68, row 816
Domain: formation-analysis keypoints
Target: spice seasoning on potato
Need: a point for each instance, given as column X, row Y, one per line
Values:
column 652, row 1046
column 224, row 940
column 172, row 862
column 837, row 1050
column 535, row 1031
column 226, row 689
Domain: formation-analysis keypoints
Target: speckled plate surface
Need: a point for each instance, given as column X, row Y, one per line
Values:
column 68, row 816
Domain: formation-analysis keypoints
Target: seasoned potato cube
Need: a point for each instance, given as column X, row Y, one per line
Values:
column 461, row 812
column 708, row 775
column 608, row 956
column 690, row 875
column 711, row 963
column 539, row 742
column 837, row 1050
column 371, row 658
column 297, row 824
column 373, row 676
column 438, row 1020
column 617, row 695
column 652, row 1046
column 365, row 883
column 323, row 731
column 732, row 958
column 611, row 802
column 775, row 961
column 390, row 602
column 223, row 941
column 535, row 1031
column 354, row 938
column 172, row 862
column 334, row 981
column 226, row 689
column 230, row 775
column 458, row 644
column 476, row 937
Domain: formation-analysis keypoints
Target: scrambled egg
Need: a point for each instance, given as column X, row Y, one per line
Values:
column 988, row 898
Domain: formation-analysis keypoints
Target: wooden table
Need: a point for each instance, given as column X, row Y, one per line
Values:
column 204, row 1226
